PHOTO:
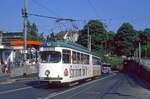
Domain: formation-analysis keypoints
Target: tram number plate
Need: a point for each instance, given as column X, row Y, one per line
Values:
column 48, row 49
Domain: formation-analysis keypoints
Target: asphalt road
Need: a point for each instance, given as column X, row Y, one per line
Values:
column 112, row 86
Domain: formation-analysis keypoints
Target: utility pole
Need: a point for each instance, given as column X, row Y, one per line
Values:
column 140, row 51
column 89, row 39
column 25, row 16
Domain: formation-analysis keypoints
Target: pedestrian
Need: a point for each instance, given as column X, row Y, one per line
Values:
column 3, row 66
column 7, row 69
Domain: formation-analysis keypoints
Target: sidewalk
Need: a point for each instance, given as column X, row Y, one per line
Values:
column 3, row 77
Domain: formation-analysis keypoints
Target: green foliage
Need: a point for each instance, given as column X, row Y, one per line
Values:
column 145, row 50
column 97, row 32
column 41, row 37
column 146, row 32
column 115, row 61
column 51, row 37
column 32, row 33
column 124, row 40
column 110, row 41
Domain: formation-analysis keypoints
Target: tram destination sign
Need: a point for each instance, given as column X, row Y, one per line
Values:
column 47, row 49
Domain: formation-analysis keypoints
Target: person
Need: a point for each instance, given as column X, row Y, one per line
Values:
column 3, row 66
column 7, row 68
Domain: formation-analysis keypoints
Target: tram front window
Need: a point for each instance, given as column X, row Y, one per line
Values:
column 50, row 57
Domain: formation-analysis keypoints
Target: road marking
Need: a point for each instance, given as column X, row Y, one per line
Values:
column 54, row 95
column 14, row 90
column 79, row 92
column 18, row 89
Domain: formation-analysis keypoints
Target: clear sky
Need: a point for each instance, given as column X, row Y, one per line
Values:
column 112, row 12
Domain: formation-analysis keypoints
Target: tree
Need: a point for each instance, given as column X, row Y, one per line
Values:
column 146, row 50
column 32, row 33
column 110, row 41
column 146, row 32
column 41, row 37
column 51, row 37
column 124, row 40
column 97, row 32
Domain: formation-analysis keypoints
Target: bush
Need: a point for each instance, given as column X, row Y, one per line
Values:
column 115, row 61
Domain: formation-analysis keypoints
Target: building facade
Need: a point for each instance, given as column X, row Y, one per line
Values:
column 7, row 37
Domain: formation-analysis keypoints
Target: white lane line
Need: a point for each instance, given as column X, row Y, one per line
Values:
column 50, row 96
column 18, row 89
column 14, row 90
column 79, row 92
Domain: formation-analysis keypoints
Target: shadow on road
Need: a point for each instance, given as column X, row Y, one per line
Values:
column 134, row 81
column 44, row 85
column 120, row 94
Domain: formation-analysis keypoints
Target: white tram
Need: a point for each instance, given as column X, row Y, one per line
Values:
column 64, row 62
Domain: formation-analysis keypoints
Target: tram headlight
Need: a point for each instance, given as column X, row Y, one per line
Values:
column 66, row 72
column 47, row 72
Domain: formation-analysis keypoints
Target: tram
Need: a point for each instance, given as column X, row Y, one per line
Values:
column 65, row 62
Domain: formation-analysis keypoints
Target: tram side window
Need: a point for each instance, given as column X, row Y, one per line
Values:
column 96, row 61
column 66, row 56
column 87, row 59
column 74, row 57
column 82, row 58
column 78, row 58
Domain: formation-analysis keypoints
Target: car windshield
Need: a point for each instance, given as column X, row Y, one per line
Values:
column 50, row 57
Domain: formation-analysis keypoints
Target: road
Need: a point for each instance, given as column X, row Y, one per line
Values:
column 112, row 86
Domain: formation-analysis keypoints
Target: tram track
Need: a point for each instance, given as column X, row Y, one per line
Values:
column 111, row 88
column 77, row 87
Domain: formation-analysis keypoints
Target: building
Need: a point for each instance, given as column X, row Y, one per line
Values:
column 7, row 37
column 14, row 43
column 65, row 35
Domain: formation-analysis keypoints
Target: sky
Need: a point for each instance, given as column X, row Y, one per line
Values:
column 112, row 12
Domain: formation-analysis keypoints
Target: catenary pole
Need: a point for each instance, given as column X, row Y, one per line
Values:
column 25, row 29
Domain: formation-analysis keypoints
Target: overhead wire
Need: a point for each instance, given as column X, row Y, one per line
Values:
column 57, row 18
column 94, row 9
column 43, row 6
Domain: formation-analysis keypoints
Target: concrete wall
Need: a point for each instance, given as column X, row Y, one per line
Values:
column 19, row 71
column 146, row 63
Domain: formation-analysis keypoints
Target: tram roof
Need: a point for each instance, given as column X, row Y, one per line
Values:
column 65, row 44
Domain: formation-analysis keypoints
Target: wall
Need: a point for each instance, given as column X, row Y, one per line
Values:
column 136, row 68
